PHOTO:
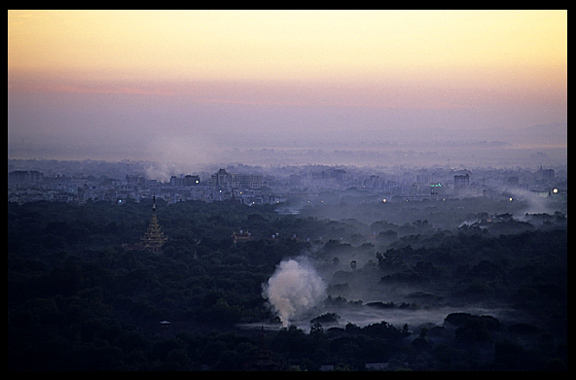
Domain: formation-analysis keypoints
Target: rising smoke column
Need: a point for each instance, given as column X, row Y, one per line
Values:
column 294, row 288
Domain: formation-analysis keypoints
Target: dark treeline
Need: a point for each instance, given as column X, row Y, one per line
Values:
column 78, row 300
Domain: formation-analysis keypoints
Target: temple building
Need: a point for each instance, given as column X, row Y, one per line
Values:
column 241, row 236
column 154, row 238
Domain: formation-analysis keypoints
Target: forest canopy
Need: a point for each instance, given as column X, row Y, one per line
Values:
column 78, row 299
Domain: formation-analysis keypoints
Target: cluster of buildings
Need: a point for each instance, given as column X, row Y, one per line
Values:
column 298, row 184
column 293, row 186
column 32, row 185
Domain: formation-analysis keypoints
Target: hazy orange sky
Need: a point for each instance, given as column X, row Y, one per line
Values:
column 194, row 73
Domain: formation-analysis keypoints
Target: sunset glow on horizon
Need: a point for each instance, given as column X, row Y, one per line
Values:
column 423, row 60
column 348, row 47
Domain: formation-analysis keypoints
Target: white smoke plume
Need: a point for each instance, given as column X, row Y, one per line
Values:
column 293, row 289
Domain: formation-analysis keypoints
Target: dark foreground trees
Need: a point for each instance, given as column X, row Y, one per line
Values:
column 78, row 301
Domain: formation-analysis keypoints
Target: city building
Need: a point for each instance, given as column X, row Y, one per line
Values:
column 436, row 188
column 176, row 181
column 224, row 179
column 25, row 177
column 241, row 236
column 461, row 181
column 250, row 181
column 544, row 174
column 191, row 180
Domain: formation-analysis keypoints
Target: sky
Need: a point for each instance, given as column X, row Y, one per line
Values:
column 185, row 84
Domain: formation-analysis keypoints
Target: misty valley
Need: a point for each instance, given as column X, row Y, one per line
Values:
column 349, row 279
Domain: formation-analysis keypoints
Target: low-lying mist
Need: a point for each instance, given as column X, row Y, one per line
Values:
column 303, row 291
column 418, row 273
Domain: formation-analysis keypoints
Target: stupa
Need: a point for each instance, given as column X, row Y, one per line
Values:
column 154, row 238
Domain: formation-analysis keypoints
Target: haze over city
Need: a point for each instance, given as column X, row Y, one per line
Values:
column 232, row 190
column 295, row 87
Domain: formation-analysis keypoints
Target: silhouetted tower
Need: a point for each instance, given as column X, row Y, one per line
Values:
column 154, row 238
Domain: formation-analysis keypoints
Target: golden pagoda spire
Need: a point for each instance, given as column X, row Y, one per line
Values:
column 154, row 238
